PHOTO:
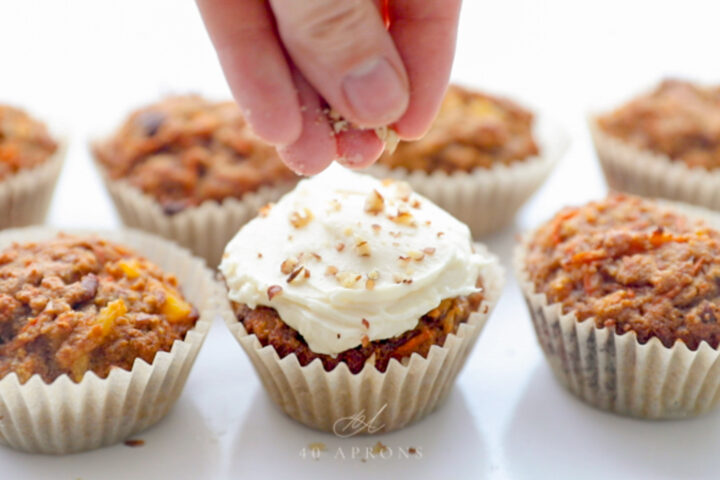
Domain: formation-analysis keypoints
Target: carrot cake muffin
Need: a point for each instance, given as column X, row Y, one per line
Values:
column 632, row 265
column 186, row 150
column 472, row 130
column 75, row 304
column 678, row 119
column 24, row 141
column 625, row 299
column 355, row 272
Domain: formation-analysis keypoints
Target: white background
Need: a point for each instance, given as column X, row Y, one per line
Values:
column 83, row 64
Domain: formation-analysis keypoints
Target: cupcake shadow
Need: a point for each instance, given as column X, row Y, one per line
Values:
column 553, row 431
column 194, row 453
column 271, row 444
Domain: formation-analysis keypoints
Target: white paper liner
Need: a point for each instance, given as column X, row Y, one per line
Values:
column 65, row 417
column 25, row 196
column 205, row 229
column 633, row 170
column 402, row 394
column 487, row 199
column 615, row 372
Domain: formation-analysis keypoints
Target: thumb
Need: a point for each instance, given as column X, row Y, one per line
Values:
column 347, row 55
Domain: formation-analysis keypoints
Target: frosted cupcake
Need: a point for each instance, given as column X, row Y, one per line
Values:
column 664, row 143
column 351, row 294
column 483, row 157
column 30, row 164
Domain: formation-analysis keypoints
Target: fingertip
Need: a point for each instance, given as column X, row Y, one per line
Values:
column 358, row 148
column 274, row 127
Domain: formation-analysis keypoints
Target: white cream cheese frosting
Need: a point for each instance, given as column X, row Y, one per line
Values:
column 345, row 258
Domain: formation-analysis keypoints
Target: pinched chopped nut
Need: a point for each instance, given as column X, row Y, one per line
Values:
column 331, row 270
column 273, row 290
column 375, row 203
column 301, row 219
column 365, row 323
column 265, row 209
column 362, row 248
column 417, row 256
column 389, row 137
column 429, row 250
column 340, row 247
column 298, row 275
column 288, row 265
column 348, row 279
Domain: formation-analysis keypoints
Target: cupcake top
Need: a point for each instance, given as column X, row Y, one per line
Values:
column 472, row 130
column 186, row 150
column 345, row 259
column 632, row 265
column 75, row 304
column 24, row 141
column 678, row 119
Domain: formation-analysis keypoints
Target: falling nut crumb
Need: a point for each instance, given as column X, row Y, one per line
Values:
column 300, row 220
column 265, row 209
column 273, row 291
column 375, row 203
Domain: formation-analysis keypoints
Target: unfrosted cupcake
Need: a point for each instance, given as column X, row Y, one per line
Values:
column 353, row 294
column 483, row 157
column 30, row 163
column 625, row 299
column 97, row 341
column 664, row 143
column 190, row 170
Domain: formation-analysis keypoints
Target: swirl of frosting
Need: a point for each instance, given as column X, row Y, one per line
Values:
column 345, row 259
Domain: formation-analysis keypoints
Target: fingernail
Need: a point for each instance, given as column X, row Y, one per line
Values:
column 376, row 93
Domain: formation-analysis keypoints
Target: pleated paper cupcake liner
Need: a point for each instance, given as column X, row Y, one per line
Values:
column 404, row 393
column 25, row 196
column 633, row 170
column 487, row 199
column 616, row 372
column 205, row 229
column 65, row 417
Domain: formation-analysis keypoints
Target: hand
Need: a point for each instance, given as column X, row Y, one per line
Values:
column 284, row 58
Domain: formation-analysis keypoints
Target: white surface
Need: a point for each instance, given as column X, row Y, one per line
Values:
column 84, row 63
